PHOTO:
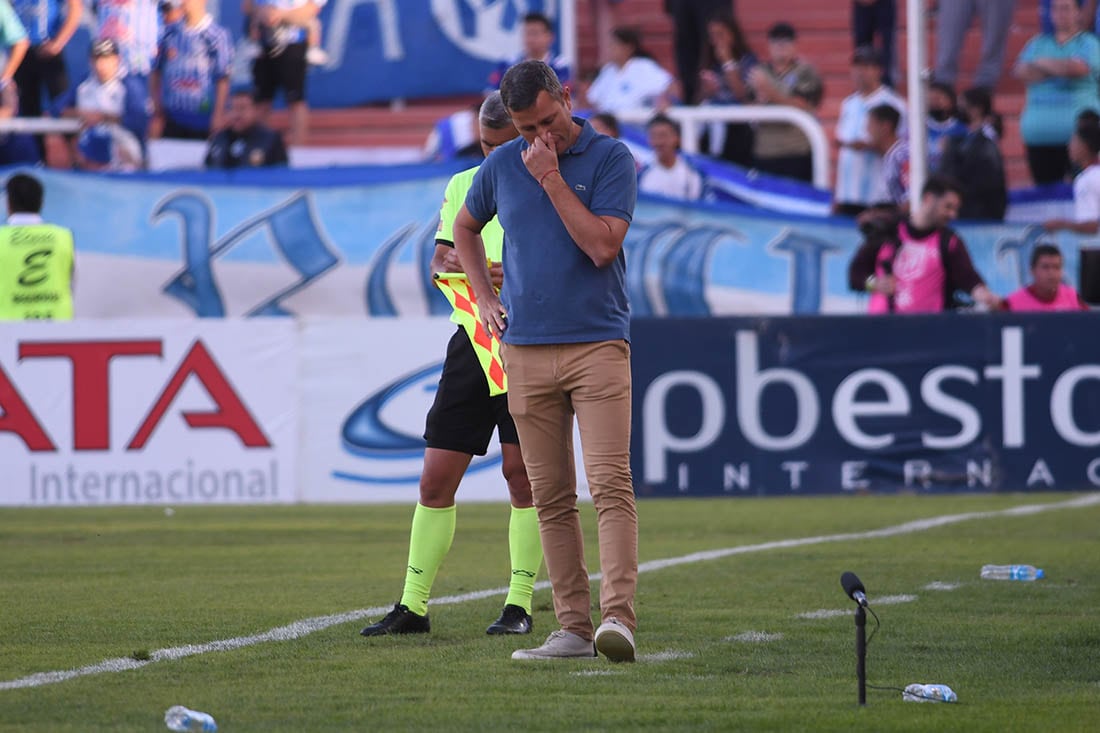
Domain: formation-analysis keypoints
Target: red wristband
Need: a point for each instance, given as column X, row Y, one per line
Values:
column 544, row 175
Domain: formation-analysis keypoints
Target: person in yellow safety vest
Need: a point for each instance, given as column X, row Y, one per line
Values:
column 36, row 258
column 470, row 403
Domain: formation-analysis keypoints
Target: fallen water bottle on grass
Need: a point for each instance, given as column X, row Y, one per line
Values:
column 917, row 692
column 1011, row 572
column 179, row 718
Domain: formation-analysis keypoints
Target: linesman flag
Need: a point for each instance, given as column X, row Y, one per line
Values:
column 457, row 290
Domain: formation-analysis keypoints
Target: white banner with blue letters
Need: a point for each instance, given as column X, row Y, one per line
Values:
column 358, row 242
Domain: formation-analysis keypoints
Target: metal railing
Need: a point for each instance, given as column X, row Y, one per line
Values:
column 40, row 125
column 692, row 120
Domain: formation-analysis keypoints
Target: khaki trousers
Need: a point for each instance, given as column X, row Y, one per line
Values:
column 547, row 385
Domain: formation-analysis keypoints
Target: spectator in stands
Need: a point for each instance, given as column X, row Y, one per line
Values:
column 113, row 107
column 13, row 41
column 190, row 84
column 50, row 25
column 785, row 79
column 15, row 148
column 975, row 160
column 1090, row 16
column 876, row 17
column 953, row 18
column 245, row 142
column 689, row 27
column 859, row 164
column 1062, row 71
column 135, row 26
column 724, row 79
column 943, row 123
column 455, row 136
column 631, row 79
column 171, row 11
column 669, row 175
column 891, row 187
column 605, row 123
column 1047, row 291
column 284, row 40
column 919, row 265
column 538, row 45
column 1084, row 147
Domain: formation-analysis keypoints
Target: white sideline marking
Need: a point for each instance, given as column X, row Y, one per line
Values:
column 755, row 637
column 594, row 673
column 297, row 629
column 940, row 585
column 666, row 656
column 834, row 612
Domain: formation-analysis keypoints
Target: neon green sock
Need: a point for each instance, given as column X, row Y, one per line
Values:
column 429, row 541
column 525, row 549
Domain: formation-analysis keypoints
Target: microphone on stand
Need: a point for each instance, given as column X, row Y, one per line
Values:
column 855, row 590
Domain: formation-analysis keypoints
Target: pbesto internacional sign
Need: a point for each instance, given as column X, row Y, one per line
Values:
column 148, row 412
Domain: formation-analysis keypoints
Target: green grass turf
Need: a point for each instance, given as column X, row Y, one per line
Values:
column 80, row 586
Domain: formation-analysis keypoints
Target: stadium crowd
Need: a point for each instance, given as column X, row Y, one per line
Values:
column 162, row 69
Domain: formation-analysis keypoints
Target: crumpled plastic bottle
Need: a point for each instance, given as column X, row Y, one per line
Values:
column 918, row 692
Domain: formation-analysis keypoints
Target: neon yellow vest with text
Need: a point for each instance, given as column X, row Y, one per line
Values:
column 36, row 272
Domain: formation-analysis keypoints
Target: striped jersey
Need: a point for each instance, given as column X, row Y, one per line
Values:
column 191, row 61
column 135, row 26
column 41, row 18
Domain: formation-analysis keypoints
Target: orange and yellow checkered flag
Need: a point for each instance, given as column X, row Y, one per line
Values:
column 458, row 292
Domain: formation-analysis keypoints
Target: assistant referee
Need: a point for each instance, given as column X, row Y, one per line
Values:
column 460, row 425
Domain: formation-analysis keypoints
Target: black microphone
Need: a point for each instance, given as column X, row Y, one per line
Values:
column 855, row 590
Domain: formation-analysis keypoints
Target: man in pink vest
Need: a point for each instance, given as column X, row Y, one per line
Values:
column 918, row 264
column 1046, row 292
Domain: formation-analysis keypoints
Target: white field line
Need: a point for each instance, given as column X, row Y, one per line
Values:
column 835, row 612
column 297, row 629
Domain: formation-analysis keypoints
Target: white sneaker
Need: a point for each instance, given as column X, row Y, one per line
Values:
column 559, row 645
column 316, row 56
column 614, row 641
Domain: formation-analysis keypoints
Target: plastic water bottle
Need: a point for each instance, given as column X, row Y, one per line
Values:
column 179, row 718
column 1011, row 572
column 917, row 692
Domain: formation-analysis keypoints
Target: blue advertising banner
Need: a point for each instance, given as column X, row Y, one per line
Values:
column 748, row 407
column 387, row 49
column 358, row 242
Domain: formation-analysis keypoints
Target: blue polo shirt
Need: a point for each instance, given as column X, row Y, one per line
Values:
column 553, row 292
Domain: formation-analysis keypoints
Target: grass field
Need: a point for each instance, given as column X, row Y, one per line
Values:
column 82, row 586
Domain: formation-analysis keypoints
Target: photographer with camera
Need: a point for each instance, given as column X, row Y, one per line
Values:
column 917, row 264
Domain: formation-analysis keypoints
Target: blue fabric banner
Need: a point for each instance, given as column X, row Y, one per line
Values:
column 359, row 241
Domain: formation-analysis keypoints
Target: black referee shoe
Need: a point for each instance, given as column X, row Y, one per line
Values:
column 513, row 620
column 399, row 621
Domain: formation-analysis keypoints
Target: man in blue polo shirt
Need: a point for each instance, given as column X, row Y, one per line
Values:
column 565, row 196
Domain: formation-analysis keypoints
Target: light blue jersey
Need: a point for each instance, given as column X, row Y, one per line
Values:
column 41, row 18
column 191, row 62
column 135, row 26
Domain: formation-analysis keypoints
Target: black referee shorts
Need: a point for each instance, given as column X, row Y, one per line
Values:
column 463, row 415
